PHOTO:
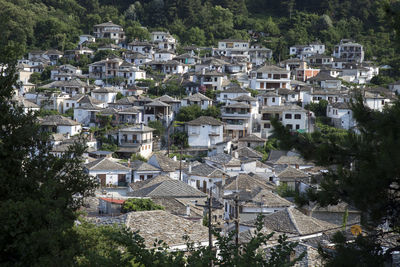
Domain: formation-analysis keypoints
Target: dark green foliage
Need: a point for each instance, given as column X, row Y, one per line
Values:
column 140, row 204
column 138, row 157
column 319, row 108
column 37, row 206
column 179, row 139
column 158, row 126
column 366, row 163
column 194, row 111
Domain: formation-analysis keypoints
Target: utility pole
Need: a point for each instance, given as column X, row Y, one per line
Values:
column 209, row 220
column 237, row 220
column 180, row 165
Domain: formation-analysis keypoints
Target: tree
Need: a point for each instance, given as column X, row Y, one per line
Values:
column 319, row 108
column 189, row 113
column 40, row 193
column 212, row 111
column 140, row 204
column 158, row 126
column 366, row 174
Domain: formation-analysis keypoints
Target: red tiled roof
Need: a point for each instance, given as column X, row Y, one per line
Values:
column 115, row 201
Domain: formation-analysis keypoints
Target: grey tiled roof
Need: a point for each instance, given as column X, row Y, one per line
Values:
column 168, row 188
column 251, row 138
column 205, row 170
column 162, row 225
column 244, row 98
column 104, row 164
column 290, row 172
column 292, row 221
column 220, row 158
column 57, row 120
column 292, row 160
column 165, row 163
column 247, row 152
column 157, row 103
column 272, row 69
column 205, row 120
column 138, row 165
column 245, row 182
column 105, row 90
column 137, row 128
column 197, row 97
column 155, row 180
column 235, row 90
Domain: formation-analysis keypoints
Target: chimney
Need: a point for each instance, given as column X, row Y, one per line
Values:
column 190, row 167
column 235, row 154
column 174, row 158
column 223, row 180
column 188, row 210
column 203, row 71
column 129, row 163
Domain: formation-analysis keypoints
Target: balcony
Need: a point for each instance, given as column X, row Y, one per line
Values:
column 236, row 127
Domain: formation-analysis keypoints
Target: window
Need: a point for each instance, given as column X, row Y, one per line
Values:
column 273, row 100
column 141, row 177
column 67, row 105
column 149, row 176
column 288, row 116
column 297, row 126
column 215, row 79
column 289, row 126
column 225, row 96
column 383, row 102
column 267, row 125
column 297, row 116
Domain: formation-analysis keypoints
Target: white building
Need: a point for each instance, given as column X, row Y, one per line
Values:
column 105, row 94
column 233, row 48
column 137, row 137
column 142, row 171
column 109, row 30
column 205, row 132
column 197, row 99
column 109, row 173
column 349, row 51
column 341, row 115
column 60, row 124
column 269, row 77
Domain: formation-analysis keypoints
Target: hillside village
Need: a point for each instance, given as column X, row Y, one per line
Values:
column 191, row 127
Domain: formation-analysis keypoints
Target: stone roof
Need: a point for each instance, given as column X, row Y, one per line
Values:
column 341, row 105
column 139, row 165
column 105, row 164
column 237, row 105
column 205, row 170
column 244, row 98
column 86, row 99
column 197, row 97
column 151, row 181
column 269, row 94
column 137, row 128
column 272, row 69
column 128, row 110
column 167, row 99
column 252, row 138
column 292, row 221
column 235, row 90
column 162, row 225
column 292, row 160
column 292, row 173
column 166, row 164
column 109, row 24
column 267, row 198
column 178, row 206
column 204, row 120
column 167, row 188
column 220, row 158
column 247, row 152
column 322, row 76
column 245, row 182
column 55, row 120
column 105, row 90
column 157, row 103
column 283, row 108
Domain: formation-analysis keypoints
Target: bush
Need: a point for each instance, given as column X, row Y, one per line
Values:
column 138, row 157
column 140, row 204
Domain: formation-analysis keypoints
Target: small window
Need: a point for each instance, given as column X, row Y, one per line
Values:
column 141, row 177
column 297, row 126
column 273, row 100
column 297, row 116
column 267, row 125
column 149, row 176
column 288, row 116
column 67, row 105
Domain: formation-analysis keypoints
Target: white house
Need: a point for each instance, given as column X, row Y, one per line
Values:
column 137, row 137
column 349, row 51
column 163, row 55
column 197, row 99
column 269, row 99
column 205, row 132
column 227, row 95
column 203, row 176
column 109, row 30
column 142, row 171
column 109, row 173
column 168, row 166
column 341, row 115
column 60, row 124
column 105, row 94
column 232, row 48
column 269, row 77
